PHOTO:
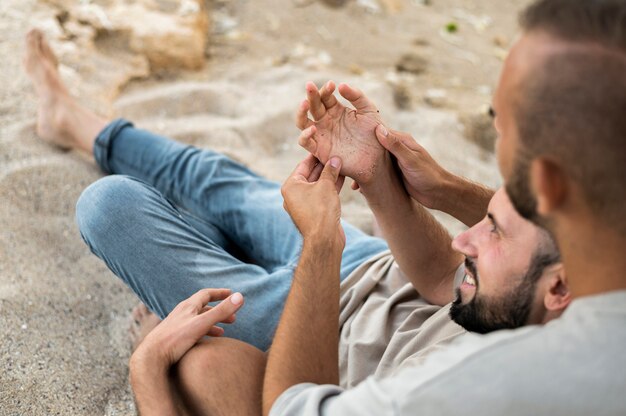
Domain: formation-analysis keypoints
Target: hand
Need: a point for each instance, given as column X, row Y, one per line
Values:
column 341, row 131
column 424, row 179
column 190, row 320
column 311, row 197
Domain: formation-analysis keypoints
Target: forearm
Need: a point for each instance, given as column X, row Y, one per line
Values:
column 463, row 199
column 305, row 347
column 419, row 243
column 151, row 387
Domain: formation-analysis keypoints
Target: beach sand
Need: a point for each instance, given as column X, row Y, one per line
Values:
column 64, row 345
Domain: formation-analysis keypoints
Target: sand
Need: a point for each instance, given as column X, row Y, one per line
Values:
column 63, row 316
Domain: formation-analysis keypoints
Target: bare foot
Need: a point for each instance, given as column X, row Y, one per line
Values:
column 341, row 131
column 141, row 323
column 60, row 119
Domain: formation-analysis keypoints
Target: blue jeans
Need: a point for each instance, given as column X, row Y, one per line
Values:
column 173, row 219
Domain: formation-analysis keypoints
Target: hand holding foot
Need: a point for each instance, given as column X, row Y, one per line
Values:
column 424, row 179
column 341, row 131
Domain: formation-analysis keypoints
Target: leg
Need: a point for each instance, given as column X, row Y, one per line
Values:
column 212, row 190
column 145, row 241
column 238, row 388
column 194, row 181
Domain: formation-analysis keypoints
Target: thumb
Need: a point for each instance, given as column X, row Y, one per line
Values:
column 331, row 170
column 392, row 142
column 225, row 309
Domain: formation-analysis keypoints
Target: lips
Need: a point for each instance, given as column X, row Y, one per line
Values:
column 471, row 276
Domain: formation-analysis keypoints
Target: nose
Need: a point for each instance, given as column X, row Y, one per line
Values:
column 464, row 243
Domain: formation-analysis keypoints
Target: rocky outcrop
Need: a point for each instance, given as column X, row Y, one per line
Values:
column 103, row 44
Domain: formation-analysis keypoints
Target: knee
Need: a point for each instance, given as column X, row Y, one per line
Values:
column 107, row 205
column 206, row 373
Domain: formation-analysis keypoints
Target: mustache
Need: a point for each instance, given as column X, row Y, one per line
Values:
column 471, row 266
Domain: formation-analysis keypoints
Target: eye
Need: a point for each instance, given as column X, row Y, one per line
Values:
column 494, row 229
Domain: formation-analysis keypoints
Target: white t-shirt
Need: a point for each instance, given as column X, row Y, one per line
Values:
column 574, row 365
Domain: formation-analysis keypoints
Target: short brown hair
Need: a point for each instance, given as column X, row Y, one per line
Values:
column 573, row 108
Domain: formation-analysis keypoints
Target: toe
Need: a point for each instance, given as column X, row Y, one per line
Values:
column 48, row 53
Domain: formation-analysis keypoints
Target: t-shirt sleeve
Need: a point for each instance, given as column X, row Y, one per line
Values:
column 307, row 399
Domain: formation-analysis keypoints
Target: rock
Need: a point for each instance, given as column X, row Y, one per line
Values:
column 402, row 96
column 435, row 97
column 170, row 34
column 478, row 129
column 334, row 3
column 413, row 63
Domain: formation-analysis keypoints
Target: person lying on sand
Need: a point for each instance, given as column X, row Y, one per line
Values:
column 172, row 220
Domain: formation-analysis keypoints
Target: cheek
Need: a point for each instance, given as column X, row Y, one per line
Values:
column 493, row 272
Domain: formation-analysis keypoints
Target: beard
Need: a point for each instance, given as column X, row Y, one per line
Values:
column 484, row 314
column 518, row 190
column 521, row 197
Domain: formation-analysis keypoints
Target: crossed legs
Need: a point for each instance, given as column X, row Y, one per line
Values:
column 174, row 219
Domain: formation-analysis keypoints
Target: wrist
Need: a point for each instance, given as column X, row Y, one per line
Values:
column 144, row 362
column 324, row 241
column 447, row 194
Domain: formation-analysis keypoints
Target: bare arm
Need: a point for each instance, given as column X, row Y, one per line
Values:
column 164, row 346
column 419, row 243
column 430, row 184
column 305, row 346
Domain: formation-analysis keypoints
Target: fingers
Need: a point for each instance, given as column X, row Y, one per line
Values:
column 304, row 168
column 302, row 118
column 339, row 183
column 222, row 312
column 317, row 171
column 313, row 96
column 331, row 170
column 307, row 141
column 215, row 331
column 199, row 299
column 395, row 143
column 357, row 98
column 327, row 95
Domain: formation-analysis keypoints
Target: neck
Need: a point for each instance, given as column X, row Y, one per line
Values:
column 593, row 256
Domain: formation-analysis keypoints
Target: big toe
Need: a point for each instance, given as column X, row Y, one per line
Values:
column 33, row 47
column 47, row 51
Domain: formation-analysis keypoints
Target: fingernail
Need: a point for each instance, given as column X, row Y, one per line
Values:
column 383, row 130
column 335, row 162
column 236, row 299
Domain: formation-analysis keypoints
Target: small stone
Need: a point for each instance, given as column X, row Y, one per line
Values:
column 500, row 41
column 478, row 129
column 402, row 96
column 435, row 97
column 413, row 63
column 334, row 3
column 356, row 69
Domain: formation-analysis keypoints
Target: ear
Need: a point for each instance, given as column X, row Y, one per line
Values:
column 557, row 296
column 549, row 184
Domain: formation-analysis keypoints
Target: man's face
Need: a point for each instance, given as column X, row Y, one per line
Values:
column 497, row 292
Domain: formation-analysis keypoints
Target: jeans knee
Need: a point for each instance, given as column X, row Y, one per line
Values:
column 106, row 205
